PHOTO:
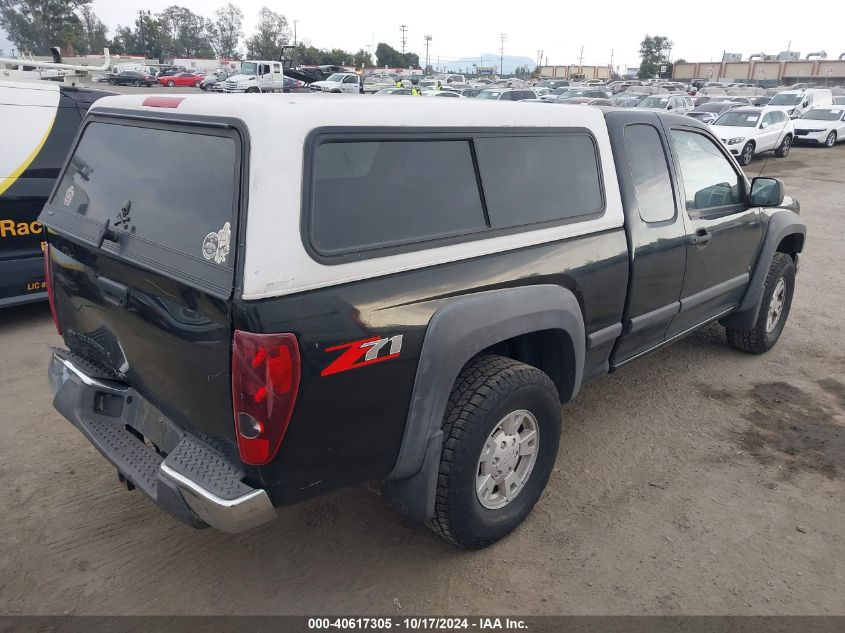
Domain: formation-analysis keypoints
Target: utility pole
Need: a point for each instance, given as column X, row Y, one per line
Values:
column 581, row 61
column 502, row 39
column 294, row 32
column 539, row 57
column 427, row 39
column 403, row 28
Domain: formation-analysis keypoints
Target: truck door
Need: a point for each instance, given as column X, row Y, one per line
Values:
column 654, row 228
column 723, row 231
column 350, row 84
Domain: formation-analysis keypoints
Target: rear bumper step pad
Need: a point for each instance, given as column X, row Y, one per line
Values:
column 195, row 483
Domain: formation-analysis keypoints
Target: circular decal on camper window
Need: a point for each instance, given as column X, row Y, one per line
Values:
column 216, row 244
column 69, row 195
column 209, row 245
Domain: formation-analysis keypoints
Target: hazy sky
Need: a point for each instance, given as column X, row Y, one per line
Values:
column 463, row 29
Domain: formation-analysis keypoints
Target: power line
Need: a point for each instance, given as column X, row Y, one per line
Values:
column 502, row 39
column 403, row 28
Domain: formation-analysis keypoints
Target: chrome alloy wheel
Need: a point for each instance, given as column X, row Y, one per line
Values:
column 776, row 305
column 507, row 459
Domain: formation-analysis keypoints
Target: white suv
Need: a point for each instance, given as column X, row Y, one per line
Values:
column 681, row 104
column 747, row 132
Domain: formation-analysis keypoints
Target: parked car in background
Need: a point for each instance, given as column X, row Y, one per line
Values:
column 449, row 94
column 797, row 102
column 839, row 100
column 626, row 99
column 822, row 126
column 541, row 92
column 506, row 94
column 739, row 100
column 586, row 101
column 180, row 79
column 708, row 112
column 569, row 93
column 376, row 83
column 210, row 81
column 679, row 104
column 748, row 132
column 761, row 101
column 338, row 83
column 394, row 91
column 552, row 83
column 471, row 93
column 131, row 78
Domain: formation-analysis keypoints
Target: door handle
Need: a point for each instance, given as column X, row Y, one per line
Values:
column 701, row 238
column 113, row 292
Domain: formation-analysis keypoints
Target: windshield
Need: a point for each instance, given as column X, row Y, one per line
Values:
column 823, row 115
column 488, row 94
column 248, row 68
column 655, row 103
column 565, row 92
column 784, row 99
column 338, row 77
column 738, row 119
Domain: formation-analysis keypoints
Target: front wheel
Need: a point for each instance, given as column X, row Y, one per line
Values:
column 137, row 84
column 830, row 141
column 774, row 309
column 746, row 155
column 500, row 440
column 171, row 83
column 783, row 150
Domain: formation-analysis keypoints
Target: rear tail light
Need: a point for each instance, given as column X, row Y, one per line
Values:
column 50, row 287
column 265, row 380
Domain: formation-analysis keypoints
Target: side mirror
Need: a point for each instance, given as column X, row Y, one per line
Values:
column 764, row 125
column 767, row 192
column 668, row 107
column 806, row 103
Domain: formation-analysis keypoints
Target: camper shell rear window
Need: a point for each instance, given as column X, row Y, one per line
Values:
column 169, row 193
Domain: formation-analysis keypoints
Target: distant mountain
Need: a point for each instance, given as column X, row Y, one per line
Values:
column 509, row 63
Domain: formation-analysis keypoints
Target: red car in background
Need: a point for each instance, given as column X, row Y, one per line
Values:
column 180, row 79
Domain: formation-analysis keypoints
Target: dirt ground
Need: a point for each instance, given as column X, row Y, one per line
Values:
column 696, row 481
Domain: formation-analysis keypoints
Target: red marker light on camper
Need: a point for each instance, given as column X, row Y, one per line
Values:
column 162, row 102
column 265, row 381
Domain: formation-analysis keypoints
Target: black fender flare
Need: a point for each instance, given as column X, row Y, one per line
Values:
column 782, row 223
column 456, row 332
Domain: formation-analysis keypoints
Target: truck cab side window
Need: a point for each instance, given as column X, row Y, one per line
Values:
column 709, row 178
column 650, row 173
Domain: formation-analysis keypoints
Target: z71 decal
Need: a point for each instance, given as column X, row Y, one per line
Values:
column 362, row 353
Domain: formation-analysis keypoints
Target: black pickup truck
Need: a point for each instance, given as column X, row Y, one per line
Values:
column 268, row 309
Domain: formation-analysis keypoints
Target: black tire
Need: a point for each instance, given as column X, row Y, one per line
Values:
column 785, row 146
column 136, row 83
column 486, row 390
column 830, row 141
column 112, row 82
column 758, row 340
column 171, row 83
column 252, row 90
column 746, row 155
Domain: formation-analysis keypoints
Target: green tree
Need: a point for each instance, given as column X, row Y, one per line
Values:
column 36, row 25
column 229, row 24
column 146, row 38
column 362, row 58
column 94, row 32
column 654, row 51
column 271, row 33
column 186, row 33
column 386, row 55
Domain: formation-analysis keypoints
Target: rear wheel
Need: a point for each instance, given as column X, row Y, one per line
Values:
column 830, row 141
column 112, row 82
column 774, row 309
column 785, row 145
column 171, row 83
column 747, row 154
column 501, row 435
column 136, row 83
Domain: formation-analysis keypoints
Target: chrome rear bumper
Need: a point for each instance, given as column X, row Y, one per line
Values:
column 194, row 482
